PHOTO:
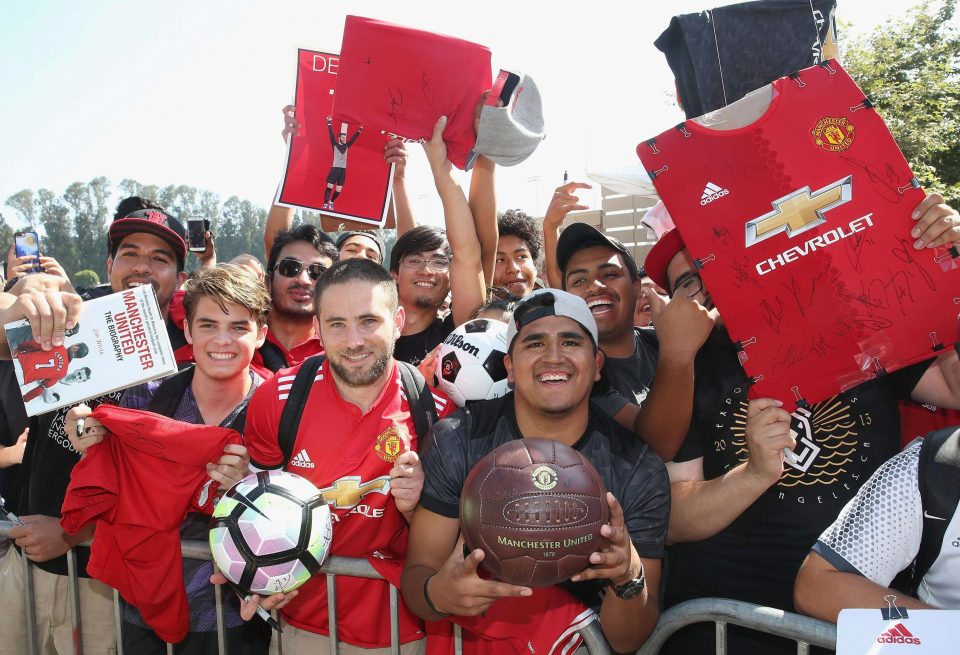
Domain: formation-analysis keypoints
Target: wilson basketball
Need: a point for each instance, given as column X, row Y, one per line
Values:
column 535, row 507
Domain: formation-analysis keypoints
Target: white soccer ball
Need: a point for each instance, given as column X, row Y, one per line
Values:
column 471, row 361
column 270, row 532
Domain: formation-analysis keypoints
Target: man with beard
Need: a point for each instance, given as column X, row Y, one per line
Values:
column 744, row 516
column 363, row 460
column 297, row 259
column 146, row 247
column 647, row 382
column 425, row 270
column 552, row 363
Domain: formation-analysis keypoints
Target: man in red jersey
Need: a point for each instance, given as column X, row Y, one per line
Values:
column 357, row 442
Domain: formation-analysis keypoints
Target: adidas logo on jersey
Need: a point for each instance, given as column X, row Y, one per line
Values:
column 898, row 634
column 712, row 192
column 302, row 459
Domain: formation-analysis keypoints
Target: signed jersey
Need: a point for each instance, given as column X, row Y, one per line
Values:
column 347, row 454
column 801, row 223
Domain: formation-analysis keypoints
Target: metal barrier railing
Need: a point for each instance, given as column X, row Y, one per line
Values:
column 334, row 566
column 804, row 630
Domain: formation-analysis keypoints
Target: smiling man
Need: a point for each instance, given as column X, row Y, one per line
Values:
column 648, row 376
column 146, row 247
column 427, row 266
column 552, row 363
column 226, row 312
column 363, row 460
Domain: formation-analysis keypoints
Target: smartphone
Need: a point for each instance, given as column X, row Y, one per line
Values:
column 196, row 229
column 27, row 244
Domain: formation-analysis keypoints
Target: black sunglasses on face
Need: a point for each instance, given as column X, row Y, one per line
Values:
column 292, row 268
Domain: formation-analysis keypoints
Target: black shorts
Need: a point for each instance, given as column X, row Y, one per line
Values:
column 337, row 176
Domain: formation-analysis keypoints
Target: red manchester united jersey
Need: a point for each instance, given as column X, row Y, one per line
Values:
column 347, row 454
column 800, row 222
column 39, row 365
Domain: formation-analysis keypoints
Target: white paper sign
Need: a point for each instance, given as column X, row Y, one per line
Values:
column 865, row 632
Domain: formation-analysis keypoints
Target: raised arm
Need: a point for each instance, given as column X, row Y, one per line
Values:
column 562, row 203
column 280, row 218
column 483, row 205
column 467, row 286
column 663, row 419
column 401, row 213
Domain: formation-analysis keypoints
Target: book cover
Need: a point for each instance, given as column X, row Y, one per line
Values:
column 120, row 341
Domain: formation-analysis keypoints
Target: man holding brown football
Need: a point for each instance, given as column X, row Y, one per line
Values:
column 552, row 362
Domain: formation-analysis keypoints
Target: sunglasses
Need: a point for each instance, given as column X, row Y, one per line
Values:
column 293, row 267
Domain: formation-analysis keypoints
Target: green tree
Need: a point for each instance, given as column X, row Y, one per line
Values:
column 86, row 279
column 89, row 206
column 910, row 69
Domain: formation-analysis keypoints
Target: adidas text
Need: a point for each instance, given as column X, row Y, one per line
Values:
column 302, row 460
column 712, row 192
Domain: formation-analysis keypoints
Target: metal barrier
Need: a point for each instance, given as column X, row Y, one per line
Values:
column 804, row 630
column 592, row 635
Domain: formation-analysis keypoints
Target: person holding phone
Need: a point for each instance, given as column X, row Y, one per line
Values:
column 18, row 265
column 27, row 250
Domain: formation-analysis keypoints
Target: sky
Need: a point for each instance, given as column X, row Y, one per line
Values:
column 190, row 92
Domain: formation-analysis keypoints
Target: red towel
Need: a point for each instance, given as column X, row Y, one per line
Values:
column 139, row 485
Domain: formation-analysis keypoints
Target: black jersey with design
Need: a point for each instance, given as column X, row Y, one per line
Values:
column 840, row 443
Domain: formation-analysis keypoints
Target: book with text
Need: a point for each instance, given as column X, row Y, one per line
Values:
column 120, row 341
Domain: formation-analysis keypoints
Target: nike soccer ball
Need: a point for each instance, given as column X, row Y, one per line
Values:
column 471, row 361
column 270, row 532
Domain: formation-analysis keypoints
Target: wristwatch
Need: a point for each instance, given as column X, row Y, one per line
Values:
column 630, row 589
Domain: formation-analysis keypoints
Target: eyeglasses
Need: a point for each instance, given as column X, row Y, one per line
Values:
column 293, row 267
column 438, row 264
column 689, row 285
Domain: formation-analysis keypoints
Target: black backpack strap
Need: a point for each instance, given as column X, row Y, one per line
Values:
column 273, row 357
column 938, row 472
column 419, row 399
column 170, row 392
column 296, row 400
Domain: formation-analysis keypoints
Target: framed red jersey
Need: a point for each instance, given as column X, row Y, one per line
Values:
column 401, row 80
column 799, row 220
column 327, row 147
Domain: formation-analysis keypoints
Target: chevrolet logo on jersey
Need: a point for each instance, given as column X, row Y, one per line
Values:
column 799, row 211
column 347, row 492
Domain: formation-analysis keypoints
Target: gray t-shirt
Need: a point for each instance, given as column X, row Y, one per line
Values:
column 628, row 379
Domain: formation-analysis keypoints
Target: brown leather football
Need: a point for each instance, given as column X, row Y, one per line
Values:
column 535, row 507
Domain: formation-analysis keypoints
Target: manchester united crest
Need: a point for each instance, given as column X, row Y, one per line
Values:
column 389, row 444
column 833, row 134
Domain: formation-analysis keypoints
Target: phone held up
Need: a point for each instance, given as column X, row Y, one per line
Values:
column 27, row 244
column 196, row 233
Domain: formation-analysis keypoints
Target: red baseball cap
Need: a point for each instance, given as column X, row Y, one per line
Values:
column 660, row 255
column 153, row 221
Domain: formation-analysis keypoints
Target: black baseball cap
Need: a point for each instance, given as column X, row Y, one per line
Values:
column 577, row 236
column 153, row 221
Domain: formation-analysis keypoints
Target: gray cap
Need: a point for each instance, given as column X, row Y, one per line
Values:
column 509, row 134
column 551, row 302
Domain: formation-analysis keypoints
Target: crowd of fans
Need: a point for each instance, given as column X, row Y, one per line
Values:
column 628, row 363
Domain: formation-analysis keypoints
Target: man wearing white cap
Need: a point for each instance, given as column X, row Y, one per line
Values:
column 552, row 362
